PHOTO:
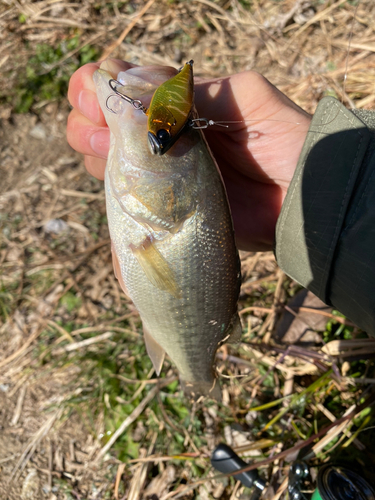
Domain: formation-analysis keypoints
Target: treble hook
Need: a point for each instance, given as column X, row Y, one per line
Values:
column 106, row 104
column 136, row 103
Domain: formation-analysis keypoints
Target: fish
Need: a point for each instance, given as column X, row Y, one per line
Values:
column 172, row 237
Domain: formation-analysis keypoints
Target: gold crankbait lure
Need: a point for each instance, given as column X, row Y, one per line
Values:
column 170, row 110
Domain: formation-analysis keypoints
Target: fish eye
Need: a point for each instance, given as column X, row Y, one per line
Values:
column 163, row 135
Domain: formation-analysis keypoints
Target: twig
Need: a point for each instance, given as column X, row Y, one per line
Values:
column 50, row 464
column 139, row 381
column 283, row 486
column 167, row 458
column 268, row 310
column 24, row 347
column 138, row 478
column 265, row 310
column 331, row 434
column 119, row 473
column 60, row 329
column 7, row 459
column 130, row 419
column 83, row 343
column 316, row 18
column 332, row 418
column 275, row 302
column 354, row 346
column 126, row 31
column 82, row 194
column 33, row 443
column 18, row 410
column 72, row 52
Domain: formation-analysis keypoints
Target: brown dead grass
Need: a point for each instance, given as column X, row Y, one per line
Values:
column 302, row 48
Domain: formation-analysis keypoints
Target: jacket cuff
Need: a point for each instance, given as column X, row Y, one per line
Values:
column 317, row 200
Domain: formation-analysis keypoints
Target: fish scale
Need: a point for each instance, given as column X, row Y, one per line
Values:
column 191, row 311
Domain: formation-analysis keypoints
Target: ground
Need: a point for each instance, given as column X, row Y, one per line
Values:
column 72, row 353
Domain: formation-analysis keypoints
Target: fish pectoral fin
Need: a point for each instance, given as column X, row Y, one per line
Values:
column 154, row 350
column 156, row 268
column 117, row 270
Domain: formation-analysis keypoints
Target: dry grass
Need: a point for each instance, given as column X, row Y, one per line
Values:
column 71, row 352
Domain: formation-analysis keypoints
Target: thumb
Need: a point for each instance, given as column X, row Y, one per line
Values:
column 232, row 98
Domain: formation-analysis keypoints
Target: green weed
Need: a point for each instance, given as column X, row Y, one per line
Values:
column 6, row 299
column 45, row 78
column 337, row 331
column 37, row 283
column 70, row 301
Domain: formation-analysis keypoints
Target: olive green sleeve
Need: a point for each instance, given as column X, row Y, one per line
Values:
column 325, row 234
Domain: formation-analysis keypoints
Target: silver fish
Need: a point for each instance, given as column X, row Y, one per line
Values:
column 172, row 236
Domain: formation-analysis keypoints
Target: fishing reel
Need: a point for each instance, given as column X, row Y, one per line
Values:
column 334, row 482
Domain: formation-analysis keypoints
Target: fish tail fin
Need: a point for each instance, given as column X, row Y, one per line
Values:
column 235, row 330
column 201, row 388
column 233, row 333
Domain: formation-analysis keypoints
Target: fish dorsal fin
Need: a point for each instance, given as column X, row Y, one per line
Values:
column 117, row 270
column 154, row 350
column 156, row 268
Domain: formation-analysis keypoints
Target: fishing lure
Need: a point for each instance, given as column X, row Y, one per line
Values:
column 171, row 110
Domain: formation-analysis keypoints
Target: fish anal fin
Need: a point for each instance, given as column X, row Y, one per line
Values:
column 154, row 350
column 155, row 267
column 117, row 270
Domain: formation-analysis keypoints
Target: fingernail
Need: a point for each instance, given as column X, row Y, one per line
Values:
column 89, row 106
column 99, row 142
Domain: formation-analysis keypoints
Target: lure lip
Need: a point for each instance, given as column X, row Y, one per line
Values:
column 157, row 145
column 163, row 141
column 153, row 144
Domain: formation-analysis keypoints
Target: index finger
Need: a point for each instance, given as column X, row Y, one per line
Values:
column 82, row 91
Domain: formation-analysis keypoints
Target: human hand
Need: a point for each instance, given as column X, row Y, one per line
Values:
column 257, row 155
